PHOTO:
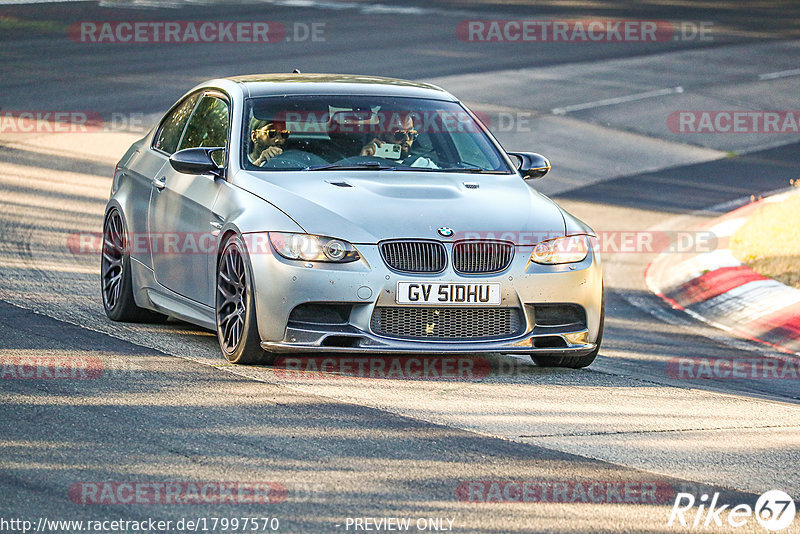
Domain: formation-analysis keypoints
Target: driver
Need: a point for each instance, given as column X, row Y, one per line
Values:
column 400, row 132
column 267, row 140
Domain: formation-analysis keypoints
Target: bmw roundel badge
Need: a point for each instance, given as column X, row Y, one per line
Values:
column 444, row 231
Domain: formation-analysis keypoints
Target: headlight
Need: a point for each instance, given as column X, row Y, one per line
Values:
column 307, row 247
column 568, row 249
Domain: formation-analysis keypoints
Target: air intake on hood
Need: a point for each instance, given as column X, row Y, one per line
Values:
column 339, row 183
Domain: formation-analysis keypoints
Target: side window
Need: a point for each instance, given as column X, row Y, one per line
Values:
column 208, row 126
column 169, row 133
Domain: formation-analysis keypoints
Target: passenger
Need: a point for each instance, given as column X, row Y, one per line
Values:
column 267, row 140
column 400, row 132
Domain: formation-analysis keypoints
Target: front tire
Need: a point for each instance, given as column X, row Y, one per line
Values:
column 115, row 276
column 237, row 328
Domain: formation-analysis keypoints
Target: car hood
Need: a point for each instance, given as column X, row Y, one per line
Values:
column 371, row 206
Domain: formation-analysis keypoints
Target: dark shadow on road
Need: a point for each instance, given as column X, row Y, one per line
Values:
column 164, row 419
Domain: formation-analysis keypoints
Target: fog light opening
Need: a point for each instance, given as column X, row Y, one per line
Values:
column 549, row 342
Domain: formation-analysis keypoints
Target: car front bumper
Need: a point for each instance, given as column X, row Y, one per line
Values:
column 353, row 340
column 281, row 285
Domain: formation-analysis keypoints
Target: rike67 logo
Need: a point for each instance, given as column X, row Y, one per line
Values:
column 774, row 510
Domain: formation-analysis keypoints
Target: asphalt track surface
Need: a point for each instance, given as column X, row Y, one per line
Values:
column 168, row 408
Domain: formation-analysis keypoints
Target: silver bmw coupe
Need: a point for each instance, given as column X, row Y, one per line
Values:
column 346, row 214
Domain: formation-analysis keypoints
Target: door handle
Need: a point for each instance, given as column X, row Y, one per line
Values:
column 216, row 224
column 160, row 183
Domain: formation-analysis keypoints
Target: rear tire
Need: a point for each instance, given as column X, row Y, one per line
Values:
column 116, row 284
column 575, row 362
column 237, row 327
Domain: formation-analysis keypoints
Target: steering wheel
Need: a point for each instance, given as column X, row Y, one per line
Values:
column 294, row 159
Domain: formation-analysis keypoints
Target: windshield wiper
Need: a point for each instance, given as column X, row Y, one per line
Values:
column 365, row 165
column 378, row 166
column 468, row 170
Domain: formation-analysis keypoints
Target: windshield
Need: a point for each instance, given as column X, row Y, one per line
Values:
column 365, row 132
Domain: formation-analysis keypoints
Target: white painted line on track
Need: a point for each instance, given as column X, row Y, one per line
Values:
column 371, row 8
column 617, row 100
column 779, row 74
column 23, row 2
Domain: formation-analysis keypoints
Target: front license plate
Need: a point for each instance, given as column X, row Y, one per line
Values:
column 447, row 293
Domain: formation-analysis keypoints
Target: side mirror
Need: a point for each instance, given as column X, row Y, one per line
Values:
column 196, row 161
column 531, row 165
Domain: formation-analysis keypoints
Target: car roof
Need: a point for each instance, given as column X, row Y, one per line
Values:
column 255, row 85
